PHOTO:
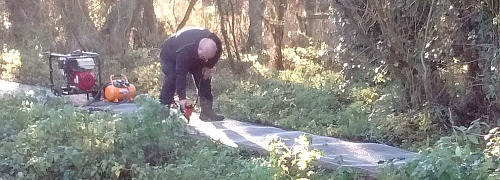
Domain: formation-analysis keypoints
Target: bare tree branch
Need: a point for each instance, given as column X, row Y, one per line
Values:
column 186, row 16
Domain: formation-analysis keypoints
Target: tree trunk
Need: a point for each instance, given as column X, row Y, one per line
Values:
column 310, row 11
column 150, row 32
column 278, row 33
column 254, row 41
column 24, row 16
column 16, row 19
column 206, row 3
column 224, row 34
column 149, row 16
column 118, row 25
column 495, row 108
column 186, row 16
column 80, row 29
column 233, row 32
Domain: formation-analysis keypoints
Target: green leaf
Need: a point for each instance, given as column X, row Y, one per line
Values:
column 458, row 151
column 472, row 138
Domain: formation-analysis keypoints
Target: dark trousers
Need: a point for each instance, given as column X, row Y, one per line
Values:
column 204, row 86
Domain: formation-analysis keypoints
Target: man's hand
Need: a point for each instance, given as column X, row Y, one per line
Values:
column 207, row 73
column 183, row 103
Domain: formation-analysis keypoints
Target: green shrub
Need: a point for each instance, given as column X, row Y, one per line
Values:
column 411, row 129
column 306, row 97
column 492, row 151
column 459, row 156
column 293, row 162
column 281, row 104
column 148, row 79
column 44, row 138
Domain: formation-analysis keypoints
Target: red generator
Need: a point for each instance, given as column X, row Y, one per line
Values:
column 78, row 71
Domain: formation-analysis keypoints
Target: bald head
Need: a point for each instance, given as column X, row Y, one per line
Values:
column 207, row 49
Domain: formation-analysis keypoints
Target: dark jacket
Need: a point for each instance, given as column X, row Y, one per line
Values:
column 182, row 47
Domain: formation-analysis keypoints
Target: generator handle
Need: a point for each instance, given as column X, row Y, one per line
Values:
column 83, row 53
column 90, row 53
column 123, row 77
column 99, row 71
column 51, row 70
column 87, row 52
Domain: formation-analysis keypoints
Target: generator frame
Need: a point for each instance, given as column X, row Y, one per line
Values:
column 67, row 89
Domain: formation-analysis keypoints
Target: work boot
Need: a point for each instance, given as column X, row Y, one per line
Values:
column 207, row 113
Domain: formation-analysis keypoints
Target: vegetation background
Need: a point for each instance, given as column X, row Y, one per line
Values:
column 421, row 75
